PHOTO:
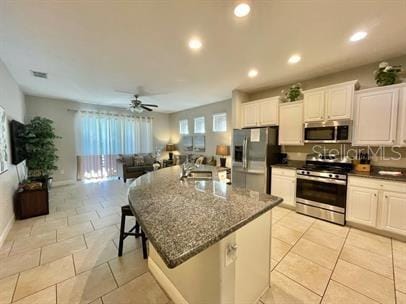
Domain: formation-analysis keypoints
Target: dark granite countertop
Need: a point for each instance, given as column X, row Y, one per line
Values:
column 183, row 218
column 374, row 174
column 292, row 164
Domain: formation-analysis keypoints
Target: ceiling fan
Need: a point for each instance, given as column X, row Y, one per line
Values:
column 137, row 106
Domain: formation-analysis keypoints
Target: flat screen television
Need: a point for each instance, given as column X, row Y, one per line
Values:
column 17, row 142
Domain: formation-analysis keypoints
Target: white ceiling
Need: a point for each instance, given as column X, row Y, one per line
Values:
column 93, row 48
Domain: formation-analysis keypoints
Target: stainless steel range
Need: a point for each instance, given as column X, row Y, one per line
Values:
column 321, row 189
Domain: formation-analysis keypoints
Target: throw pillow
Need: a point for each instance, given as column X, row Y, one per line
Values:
column 138, row 160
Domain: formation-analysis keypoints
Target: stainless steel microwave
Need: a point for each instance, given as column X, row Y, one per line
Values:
column 328, row 132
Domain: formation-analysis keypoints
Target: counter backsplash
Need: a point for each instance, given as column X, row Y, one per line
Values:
column 385, row 157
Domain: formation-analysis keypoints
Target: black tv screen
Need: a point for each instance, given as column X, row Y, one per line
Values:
column 17, row 142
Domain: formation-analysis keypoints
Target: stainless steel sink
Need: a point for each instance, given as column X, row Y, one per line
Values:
column 200, row 175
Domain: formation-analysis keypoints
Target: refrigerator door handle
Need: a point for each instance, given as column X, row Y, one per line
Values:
column 245, row 151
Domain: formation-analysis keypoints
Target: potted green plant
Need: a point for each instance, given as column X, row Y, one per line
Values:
column 40, row 150
column 294, row 93
column 387, row 74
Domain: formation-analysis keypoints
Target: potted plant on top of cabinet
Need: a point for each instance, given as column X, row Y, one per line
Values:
column 387, row 74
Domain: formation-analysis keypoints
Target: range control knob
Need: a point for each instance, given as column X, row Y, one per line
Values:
column 330, row 175
column 337, row 176
column 308, row 172
column 303, row 172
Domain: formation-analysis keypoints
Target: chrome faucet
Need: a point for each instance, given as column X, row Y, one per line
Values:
column 186, row 169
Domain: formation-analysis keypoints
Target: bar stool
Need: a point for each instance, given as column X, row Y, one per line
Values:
column 126, row 211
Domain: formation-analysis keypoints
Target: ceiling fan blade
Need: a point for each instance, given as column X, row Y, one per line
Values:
column 146, row 108
column 150, row 105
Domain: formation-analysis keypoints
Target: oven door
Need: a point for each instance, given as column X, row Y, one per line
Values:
column 322, row 192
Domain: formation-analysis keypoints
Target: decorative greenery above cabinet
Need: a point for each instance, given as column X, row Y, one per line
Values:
column 330, row 103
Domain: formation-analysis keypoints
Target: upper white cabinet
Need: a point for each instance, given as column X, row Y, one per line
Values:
column 291, row 123
column 314, row 106
column 375, row 117
column 269, row 111
column 263, row 112
column 333, row 102
column 401, row 131
column 250, row 115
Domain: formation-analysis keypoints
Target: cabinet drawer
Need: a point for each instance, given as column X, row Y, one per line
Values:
column 284, row 172
column 377, row 184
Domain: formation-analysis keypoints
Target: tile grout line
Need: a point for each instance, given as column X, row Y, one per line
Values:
column 393, row 270
column 15, row 288
column 335, row 264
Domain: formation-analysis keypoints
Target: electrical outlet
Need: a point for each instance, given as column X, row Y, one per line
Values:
column 231, row 254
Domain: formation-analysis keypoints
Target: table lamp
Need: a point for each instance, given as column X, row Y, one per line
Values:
column 223, row 150
column 170, row 148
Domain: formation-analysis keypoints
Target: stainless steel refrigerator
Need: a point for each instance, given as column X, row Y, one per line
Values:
column 254, row 151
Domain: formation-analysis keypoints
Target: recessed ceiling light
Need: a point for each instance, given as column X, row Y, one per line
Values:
column 242, row 10
column 358, row 36
column 294, row 59
column 195, row 44
column 252, row 73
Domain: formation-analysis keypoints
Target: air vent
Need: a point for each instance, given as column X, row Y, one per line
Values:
column 39, row 74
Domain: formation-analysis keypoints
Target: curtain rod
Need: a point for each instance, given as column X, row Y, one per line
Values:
column 108, row 113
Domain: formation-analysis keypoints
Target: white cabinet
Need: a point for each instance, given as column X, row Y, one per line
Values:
column 377, row 203
column 291, row 123
column 339, row 102
column 362, row 205
column 329, row 103
column 259, row 113
column 249, row 114
column 283, row 184
column 269, row 111
column 375, row 119
column 314, row 106
column 393, row 217
column 401, row 131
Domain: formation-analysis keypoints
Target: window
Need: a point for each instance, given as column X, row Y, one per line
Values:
column 220, row 122
column 199, row 125
column 183, row 127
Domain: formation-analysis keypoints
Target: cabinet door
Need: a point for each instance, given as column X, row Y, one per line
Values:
column 393, row 216
column 291, row 124
column 362, row 205
column 284, row 187
column 269, row 111
column 314, row 106
column 375, row 118
column 402, row 118
column 339, row 102
column 250, row 114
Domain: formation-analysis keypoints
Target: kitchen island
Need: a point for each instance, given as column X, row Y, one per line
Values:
column 209, row 241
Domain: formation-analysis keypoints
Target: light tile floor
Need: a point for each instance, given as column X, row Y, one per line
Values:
column 70, row 256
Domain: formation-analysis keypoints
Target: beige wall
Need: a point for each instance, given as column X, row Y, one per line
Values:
column 12, row 100
column 57, row 110
column 212, row 138
column 363, row 73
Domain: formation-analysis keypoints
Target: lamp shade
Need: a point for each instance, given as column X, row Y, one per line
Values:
column 170, row 147
column 223, row 150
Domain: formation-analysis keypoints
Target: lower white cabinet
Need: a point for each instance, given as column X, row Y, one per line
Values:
column 394, row 212
column 377, row 203
column 363, row 205
column 283, row 184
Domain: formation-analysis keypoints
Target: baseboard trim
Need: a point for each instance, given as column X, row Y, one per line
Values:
column 165, row 283
column 6, row 230
column 63, row 183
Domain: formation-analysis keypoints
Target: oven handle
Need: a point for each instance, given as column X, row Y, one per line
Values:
column 323, row 180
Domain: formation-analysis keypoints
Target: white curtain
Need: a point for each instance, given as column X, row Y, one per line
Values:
column 101, row 137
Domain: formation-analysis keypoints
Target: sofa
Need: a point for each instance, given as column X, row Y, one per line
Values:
column 134, row 165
